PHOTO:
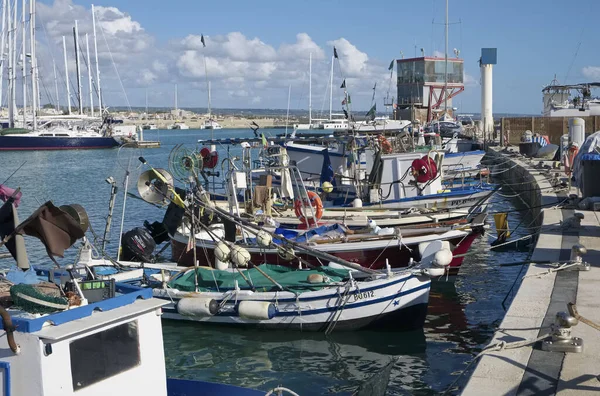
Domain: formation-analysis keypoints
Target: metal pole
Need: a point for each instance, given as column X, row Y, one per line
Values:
column 89, row 67
column 24, row 63
column 11, row 109
column 67, row 75
column 2, row 46
column 309, row 91
column 111, row 206
column 35, row 83
column 331, row 89
column 14, row 56
column 77, row 66
column 96, row 56
column 446, row 65
column 56, row 87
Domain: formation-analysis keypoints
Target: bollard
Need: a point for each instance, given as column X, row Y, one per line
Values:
column 560, row 339
column 577, row 261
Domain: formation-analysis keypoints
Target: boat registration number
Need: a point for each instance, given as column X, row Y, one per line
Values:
column 364, row 295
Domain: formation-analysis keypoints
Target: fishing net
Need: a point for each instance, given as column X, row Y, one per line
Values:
column 30, row 299
column 291, row 279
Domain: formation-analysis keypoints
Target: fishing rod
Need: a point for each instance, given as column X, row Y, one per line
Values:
column 12, row 174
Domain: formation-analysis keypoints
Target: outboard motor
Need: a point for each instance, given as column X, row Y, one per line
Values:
column 137, row 245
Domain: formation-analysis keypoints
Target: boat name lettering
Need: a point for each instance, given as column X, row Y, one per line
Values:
column 364, row 295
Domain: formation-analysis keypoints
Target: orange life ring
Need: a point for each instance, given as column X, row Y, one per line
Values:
column 313, row 200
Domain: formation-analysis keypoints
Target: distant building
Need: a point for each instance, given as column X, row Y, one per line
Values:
column 421, row 87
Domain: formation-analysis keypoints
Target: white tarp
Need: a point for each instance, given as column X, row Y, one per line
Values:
column 591, row 145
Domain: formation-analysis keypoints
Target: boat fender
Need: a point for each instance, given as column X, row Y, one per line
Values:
column 257, row 310
column 239, row 256
column 222, row 252
column 442, row 258
column 263, row 238
column 286, row 254
column 197, row 306
column 221, row 265
column 315, row 278
column 424, row 169
column 357, row 203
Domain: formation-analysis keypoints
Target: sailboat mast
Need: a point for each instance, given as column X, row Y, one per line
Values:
column 56, row 87
column 175, row 99
column 24, row 63
column 2, row 47
column 89, row 67
column 96, row 56
column 35, row 82
column 310, row 90
column 446, row 65
column 331, row 90
column 77, row 66
column 11, row 121
column 67, row 74
column 14, row 63
column 209, row 107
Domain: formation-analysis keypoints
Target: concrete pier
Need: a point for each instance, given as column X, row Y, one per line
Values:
column 529, row 370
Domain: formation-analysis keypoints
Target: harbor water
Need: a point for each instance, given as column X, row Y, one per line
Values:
column 462, row 314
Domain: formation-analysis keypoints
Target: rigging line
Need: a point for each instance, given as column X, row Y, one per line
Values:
column 578, row 47
column 115, row 66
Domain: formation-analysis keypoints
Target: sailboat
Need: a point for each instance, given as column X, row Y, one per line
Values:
column 177, row 124
column 43, row 133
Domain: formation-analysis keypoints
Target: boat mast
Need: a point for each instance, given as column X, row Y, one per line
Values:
column 310, row 90
column 209, row 110
column 67, row 75
column 56, row 87
column 2, row 47
column 89, row 67
column 77, row 66
column 14, row 56
column 35, row 77
column 446, row 65
column 97, row 67
column 24, row 64
column 35, row 82
column 11, row 121
column 175, row 99
column 331, row 90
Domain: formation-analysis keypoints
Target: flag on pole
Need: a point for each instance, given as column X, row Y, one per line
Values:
column 264, row 140
column 343, row 84
column 202, row 40
column 371, row 112
column 374, row 88
column 391, row 65
column 344, row 101
column 335, row 55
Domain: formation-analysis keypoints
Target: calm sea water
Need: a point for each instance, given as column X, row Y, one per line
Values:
column 462, row 314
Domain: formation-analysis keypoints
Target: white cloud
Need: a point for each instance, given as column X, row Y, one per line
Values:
column 469, row 80
column 592, row 72
column 244, row 71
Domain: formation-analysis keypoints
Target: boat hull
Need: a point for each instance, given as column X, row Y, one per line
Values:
column 399, row 303
column 367, row 254
column 55, row 143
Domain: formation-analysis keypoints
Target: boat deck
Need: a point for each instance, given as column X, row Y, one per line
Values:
column 530, row 370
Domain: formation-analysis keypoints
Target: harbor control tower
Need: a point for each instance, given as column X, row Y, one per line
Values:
column 421, row 82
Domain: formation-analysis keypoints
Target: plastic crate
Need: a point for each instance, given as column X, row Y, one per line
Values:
column 96, row 290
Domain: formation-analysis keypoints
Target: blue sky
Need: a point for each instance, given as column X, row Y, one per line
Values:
column 536, row 39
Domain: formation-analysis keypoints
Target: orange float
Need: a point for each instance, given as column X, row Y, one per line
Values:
column 313, row 200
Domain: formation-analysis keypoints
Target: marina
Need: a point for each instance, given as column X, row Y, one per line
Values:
column 218, row 242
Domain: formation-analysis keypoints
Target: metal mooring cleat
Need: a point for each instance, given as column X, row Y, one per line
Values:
column 560, row 339
column 578, row 264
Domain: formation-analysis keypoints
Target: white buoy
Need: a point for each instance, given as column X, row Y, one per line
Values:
column 263, row 238
column 357, row 203
column 315, row 278
column 221, row 265
column 197, row 306
column 239, row 256
column 287, row 254
column 222, row 252
column 577, row 131
column 442, row 258
column 256, row 310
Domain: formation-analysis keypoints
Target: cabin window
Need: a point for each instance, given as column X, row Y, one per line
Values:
column 104, row 354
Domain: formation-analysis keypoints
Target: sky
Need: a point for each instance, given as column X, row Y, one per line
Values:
column 257, row 52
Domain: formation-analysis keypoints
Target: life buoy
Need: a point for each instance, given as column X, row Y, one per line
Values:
column 313, row 200
column 210, row 159
column 569, row 158
column 424, row 169
column 386, row 147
